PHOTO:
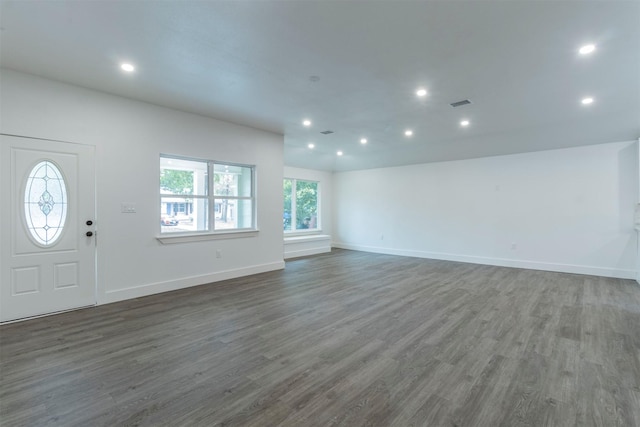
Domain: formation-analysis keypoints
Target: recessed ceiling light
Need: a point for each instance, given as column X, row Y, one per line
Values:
column 465, row 123
column 306, row 122
column 421, row 92
column 311, row 145
column 408, row 132
column 586, row 101
column 587, row 49
column 339, row 153
column 129, row 68
column 363, row 141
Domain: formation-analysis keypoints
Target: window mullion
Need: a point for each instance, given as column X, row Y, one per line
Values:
column 294, row 219
column 318, row 201
column 211, row 197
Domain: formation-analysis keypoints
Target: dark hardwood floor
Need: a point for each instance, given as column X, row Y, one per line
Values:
column 346, row 338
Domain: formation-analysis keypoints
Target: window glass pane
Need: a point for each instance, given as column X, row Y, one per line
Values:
column 180, row 214
column 187, row 203
column 230, row 180
column 286, row 219
column 306, row 205
column 233, row 214
column 45, row 203
column 184, row 177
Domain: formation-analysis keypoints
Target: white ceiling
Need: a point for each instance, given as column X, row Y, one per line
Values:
column 249, row 62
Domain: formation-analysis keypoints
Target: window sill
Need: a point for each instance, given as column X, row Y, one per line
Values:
column 299, row 233
column 306, row 238
column 201, row 237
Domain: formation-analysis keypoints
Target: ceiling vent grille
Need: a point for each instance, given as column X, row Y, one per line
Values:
column 326, row 132
column 460, row 103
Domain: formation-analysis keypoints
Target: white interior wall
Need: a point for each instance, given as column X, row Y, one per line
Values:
column 562, row 210
column 129, row 137
column 565, row 210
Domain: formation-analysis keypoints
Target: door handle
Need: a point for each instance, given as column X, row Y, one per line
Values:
column 89, row 233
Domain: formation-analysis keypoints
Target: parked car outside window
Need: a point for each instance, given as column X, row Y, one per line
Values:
column 168, row 220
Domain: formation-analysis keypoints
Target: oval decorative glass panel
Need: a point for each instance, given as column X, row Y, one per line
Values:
column 45, row 203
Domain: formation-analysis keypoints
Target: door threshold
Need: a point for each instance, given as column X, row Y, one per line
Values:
column 22, row 319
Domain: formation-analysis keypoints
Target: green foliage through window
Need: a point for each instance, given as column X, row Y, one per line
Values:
column 177, row 181
column 300, row 205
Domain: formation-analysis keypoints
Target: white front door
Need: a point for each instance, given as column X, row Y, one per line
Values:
column 47, row 227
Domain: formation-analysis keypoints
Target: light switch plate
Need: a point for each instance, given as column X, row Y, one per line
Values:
column 128, row 208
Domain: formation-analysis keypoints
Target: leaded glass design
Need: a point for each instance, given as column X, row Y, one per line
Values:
column 45, row 203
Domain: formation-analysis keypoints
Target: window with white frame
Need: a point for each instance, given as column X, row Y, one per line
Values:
column 199, row 196
column 301, row 207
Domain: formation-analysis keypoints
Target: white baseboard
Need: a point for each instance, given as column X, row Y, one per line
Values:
column 172, row 285
column 500, row 262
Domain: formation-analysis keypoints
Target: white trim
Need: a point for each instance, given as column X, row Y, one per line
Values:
column 22, row 319
column 501, row 262
column 638, row 200
column 297, row 246
column 308, row 238
column 297, row 233
column 172, row 285
column 187, row 238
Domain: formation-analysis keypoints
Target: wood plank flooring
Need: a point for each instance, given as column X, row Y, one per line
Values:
column 340, row 339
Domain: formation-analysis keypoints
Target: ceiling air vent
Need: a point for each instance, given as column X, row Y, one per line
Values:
column 460, row 103
column 326, row 132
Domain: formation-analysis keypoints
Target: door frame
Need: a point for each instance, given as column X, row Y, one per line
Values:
column 6, row 230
